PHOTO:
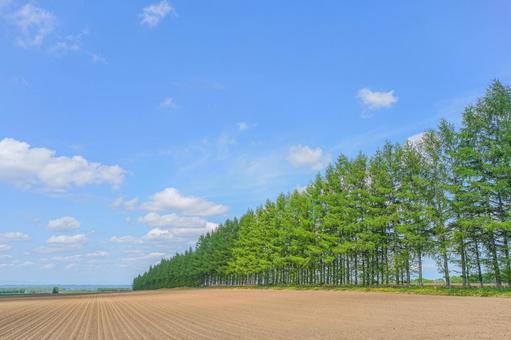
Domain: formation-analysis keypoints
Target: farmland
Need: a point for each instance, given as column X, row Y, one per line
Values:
column 253, row 313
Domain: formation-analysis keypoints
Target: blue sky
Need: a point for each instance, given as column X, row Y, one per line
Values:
column 129, row 128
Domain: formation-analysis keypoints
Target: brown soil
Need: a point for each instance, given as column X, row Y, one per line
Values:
column 254, row 314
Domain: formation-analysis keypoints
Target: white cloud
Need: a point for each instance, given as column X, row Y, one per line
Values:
column 63, row 224
column 304, row 156
column 171, row 199
column 301, row 189
column 172, row 220
column 242, row 126
column 34, row 23
column 172, row 225
column 153, row 14
column 120, row 202
column 168, row 227
column 416, row 140
column 158, row 234
column 149, row 256
column 168, row 103
column 4, row 247
column 125, row 240
column 13, row 236
column 374, row 100
column 52, row 249
column 97, row 253
column 68, row 239
column 67, row 258
column 29, row 167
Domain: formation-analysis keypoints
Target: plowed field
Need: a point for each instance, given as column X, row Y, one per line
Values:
column 254, row 314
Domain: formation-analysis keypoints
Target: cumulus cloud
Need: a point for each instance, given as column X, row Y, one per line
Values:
column 153, row 14
column 63, row 224
column 158, row 234
column 374, row 100
column 68, row 239
column 168, row 227
column 172, row 225
column 171, row 199
column 304, row 156
column 416, row 140
column 13, row 236
column 168, row 103
column 34, row 23
column 28, row 167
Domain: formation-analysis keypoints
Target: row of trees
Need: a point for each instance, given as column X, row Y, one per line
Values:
column 374, row 220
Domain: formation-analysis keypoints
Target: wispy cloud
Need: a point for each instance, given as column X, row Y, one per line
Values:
column 168, row 103
column 37, row 27
column 69, row 44
column 34, row 24
column 97, row 58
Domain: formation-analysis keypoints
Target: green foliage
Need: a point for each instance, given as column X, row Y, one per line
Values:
column 371, row 221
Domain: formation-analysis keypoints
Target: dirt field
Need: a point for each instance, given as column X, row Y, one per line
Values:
column 254, row 314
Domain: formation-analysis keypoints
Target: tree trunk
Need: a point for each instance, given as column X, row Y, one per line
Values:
column 478, row 264
column 495, row 261
column 419, row 254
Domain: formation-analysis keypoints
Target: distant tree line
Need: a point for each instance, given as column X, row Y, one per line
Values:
column 373, row 220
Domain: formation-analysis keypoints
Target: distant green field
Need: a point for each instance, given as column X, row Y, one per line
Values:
column 12, row 291
column 23, row 291
column 113, row 290
column 427, row 290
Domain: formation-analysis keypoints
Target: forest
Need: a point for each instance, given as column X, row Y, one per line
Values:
column 372, row 220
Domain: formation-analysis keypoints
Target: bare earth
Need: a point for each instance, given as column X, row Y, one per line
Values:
column 254, row 314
